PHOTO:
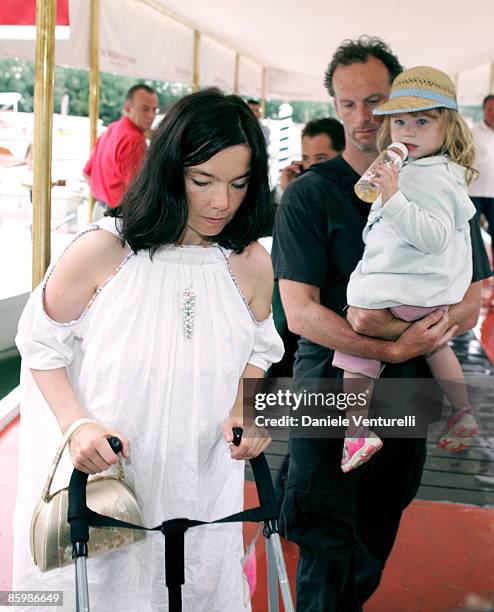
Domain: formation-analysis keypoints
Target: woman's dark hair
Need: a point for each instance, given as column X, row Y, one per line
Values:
column 154, row 210
column 359, row 51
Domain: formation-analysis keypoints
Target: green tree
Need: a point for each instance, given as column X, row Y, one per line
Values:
column 75, row 83
column 18, row 75
column 302, row 111
column 474, row 112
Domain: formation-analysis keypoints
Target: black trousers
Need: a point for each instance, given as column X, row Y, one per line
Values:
column 345, row 524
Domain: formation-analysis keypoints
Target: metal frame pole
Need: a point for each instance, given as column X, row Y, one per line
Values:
column 276, row 569
column 264, row 89
column 81, row 585
column 43, row 121
column 196, row 79
column 272, row 578
column 94, row 81
column 236, row 78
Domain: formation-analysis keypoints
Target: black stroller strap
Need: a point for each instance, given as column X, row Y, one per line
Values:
column 266, row 511
column 252, row 515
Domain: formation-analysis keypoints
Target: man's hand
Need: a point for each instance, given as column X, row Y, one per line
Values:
column 387, row 181
column 376, row 323
column 423, row 337
column 290, row 173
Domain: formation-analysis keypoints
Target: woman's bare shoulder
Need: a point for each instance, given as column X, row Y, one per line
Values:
column 93, row 254
column 82, row 268
column 256, row 263
column 256, row 259
column 254, row 270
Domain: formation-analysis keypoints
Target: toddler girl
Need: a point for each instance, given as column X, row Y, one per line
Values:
column 417, row 256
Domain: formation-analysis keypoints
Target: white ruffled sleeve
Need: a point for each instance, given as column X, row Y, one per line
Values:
column 268, row 347
column 43, row 343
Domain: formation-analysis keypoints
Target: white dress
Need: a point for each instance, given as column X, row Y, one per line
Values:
column 133, row 369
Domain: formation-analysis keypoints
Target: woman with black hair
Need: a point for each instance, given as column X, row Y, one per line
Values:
column 146, row 326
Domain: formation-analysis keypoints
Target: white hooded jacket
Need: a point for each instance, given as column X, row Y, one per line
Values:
column 417, row 246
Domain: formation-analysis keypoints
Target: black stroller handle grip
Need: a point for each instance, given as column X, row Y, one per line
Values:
column 77, row 508
column 77, row 511
column 116, row 444
column 264, row 492
column 237, row 435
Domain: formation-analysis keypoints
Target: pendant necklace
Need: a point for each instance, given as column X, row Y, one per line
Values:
column 188, row 308
column 189, row 300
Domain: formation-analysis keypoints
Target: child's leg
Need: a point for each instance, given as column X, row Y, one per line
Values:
column 356, row 383
column 360, row 442
column 447, row 371
column 461, row 426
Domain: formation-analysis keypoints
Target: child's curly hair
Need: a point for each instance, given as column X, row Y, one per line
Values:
column 457, row 143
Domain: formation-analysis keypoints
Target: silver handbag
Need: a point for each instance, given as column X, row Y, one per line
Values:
column 108, row 495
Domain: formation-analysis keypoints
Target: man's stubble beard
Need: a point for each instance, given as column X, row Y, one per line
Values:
column 364, row 148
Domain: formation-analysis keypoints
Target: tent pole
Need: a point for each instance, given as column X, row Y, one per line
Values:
column 93, row 83
column 43, row 120
column 236, row 80
column 264, row 88
column 196, row 82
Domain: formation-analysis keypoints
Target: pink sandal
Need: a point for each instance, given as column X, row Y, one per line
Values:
column 459, row 431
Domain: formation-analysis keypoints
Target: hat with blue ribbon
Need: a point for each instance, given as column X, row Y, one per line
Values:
column 419, row 89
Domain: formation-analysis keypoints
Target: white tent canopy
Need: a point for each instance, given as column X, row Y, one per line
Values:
column 292, row 40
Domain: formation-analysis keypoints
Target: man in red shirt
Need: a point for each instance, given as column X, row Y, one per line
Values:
column 120, row 150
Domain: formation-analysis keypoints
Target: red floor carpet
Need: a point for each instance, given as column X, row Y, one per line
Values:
column 444, row 552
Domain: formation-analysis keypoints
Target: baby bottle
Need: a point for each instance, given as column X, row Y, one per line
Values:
column 395, row 155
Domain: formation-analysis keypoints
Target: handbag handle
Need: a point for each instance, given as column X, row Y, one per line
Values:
column 45, row 495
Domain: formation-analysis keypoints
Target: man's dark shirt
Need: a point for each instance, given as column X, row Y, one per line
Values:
column 318, row 241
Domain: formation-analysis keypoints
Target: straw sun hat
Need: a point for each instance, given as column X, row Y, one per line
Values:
column 417, row 89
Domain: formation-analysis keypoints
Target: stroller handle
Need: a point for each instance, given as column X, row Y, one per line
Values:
column 77, row 512
column 237, row 435
column 116, row 444
column 265, row 493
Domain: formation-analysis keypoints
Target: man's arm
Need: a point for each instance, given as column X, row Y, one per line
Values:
column 308, row 318
column 382, row 324
column 466, row 313
column 376, row 323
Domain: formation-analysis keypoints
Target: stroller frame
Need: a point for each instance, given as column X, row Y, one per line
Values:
column 80, row 517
